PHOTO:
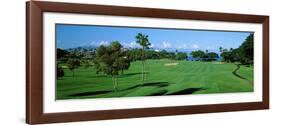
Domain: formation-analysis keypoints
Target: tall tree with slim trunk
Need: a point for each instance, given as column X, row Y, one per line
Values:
column 73, row 64
column 110, row 60
column 74, row 61
column 143, row 41
column 220, row 49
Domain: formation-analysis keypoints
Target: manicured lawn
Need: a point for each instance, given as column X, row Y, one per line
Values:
column 163, row 77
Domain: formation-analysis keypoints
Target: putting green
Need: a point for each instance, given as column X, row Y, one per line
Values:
column 162, row 77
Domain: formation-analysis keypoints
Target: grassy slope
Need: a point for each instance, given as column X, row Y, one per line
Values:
column 185, row 78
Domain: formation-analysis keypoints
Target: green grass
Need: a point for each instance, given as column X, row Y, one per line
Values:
column 188, row 77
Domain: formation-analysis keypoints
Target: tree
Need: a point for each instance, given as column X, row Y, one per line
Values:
column 110, row 60
column 198, row 54
column 220, row 49
column 60, row 72
column 243, row 54
column 100, row 58
column 226, row 56
column 247, row 50
column 212, row 56
column 142, row 40
column 235, row 57
column 224, row 50
column 61, row 53
column 124, row 63
column 231, row 56
column 181, row 56
column 73, row 63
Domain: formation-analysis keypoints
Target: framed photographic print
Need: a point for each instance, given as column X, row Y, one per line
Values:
column 95, row 62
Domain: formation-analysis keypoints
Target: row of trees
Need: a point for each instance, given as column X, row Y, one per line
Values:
column 72, row 59
column 204, row 56
column 136, row 54
column 243, row 54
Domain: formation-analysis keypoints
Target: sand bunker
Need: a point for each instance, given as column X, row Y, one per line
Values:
column 218, row 63
column 171, row 64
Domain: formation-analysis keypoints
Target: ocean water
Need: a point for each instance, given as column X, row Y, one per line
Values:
column 190, row 58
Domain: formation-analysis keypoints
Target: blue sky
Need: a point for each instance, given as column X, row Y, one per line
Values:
column 71, row 36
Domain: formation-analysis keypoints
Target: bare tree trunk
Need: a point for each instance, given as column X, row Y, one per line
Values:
column 142, row 77
column 143, row 63
column 113, row 82
column 116, row 84
column 144, row 71
column 73, row 73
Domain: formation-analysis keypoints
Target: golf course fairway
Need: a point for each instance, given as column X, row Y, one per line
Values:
column 162, row 77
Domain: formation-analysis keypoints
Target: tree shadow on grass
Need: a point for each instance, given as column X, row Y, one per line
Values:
column 158, row 84
column 155, row 84
column 187, row 91
column 131, row 74
column 90, row 93
column 162, row 92
column 97, row 76
column 239, row 76
column 105, row 76
column 182, row 92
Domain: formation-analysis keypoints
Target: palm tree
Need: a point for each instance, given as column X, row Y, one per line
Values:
column 143, row 41
column 220, row 49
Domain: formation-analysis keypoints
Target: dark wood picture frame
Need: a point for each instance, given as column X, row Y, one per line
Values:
column 34, row 61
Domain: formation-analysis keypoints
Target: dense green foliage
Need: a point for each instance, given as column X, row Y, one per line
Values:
column 60, row 72
column 211, row 56
column 247, row 50
column 61, row 53
column 204, row 56
column 110, row 60
column 244, row 54
column 135, row 54
column 198, row 54
column 72, row 64
column 181, row 56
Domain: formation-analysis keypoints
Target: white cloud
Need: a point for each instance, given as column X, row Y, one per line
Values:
column 210, row 48
column 130, row 44
column 105, row 43
column 194, row 46
column 166, row 45
column 152, row 45
column 124, row 44
column 94, row 43
column 134, row 45
column 183, row 46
